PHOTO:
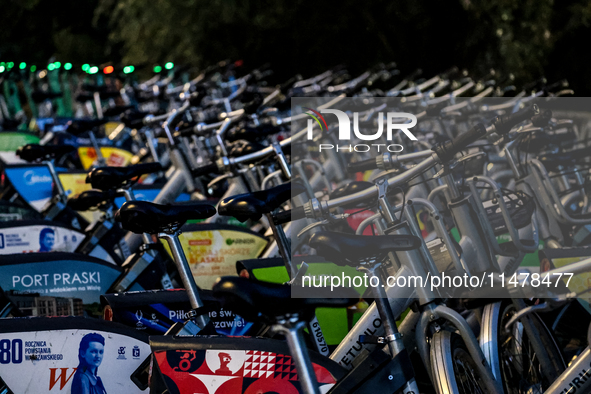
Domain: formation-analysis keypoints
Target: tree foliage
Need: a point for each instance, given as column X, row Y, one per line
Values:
column 528, row 38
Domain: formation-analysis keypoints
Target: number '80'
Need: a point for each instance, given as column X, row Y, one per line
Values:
column 11, row 351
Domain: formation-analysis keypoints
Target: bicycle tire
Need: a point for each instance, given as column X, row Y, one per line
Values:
column 510, row 367
column 453, row 369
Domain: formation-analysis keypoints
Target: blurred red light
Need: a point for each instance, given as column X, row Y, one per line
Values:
column 108, row 69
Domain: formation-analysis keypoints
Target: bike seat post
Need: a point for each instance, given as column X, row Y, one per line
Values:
column 97, row 149
column 58, row 184
column 150, row 142
column 393, row 338
column 291, row 327
column 282, row 160
column 182, row 266
column 283, row 245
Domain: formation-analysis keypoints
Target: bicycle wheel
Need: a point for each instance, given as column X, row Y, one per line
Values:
column 454, row 369
column 511, row 354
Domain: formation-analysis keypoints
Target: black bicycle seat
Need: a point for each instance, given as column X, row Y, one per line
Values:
column 36, row 152
column 90, row 199
column 40, row 96
column 79, row 126
column 107, row 178
column 146, row 217
column 348, row 249
column 268, row 302
column 253, row 205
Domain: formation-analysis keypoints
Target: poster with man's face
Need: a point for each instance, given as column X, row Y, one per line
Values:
column 68, row 361
column 38, row 238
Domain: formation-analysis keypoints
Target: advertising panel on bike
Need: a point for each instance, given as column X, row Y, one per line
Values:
column 65, row 275
column 37, row 236
column 73, row 361
column 213, row 249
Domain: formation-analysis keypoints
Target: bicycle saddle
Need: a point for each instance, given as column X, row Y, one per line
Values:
column 146, row 217
column 40, row 96
column 253, row 205
column 79, row 126
column 269, row 302
column 107, row 178
column 89, row 199
column 36, row 152
column 347, row 249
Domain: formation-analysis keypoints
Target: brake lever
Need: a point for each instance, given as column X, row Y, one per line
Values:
column 218, row 179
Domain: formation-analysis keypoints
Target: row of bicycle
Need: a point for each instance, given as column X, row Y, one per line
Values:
column 490, row 188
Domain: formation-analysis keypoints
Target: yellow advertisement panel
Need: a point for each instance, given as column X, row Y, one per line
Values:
column 115, row 157
column 75, row 183
column 212, row 252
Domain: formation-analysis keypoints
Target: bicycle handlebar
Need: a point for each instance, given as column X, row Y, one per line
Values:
column 542, row 119
column 503, row 124
column 289, row 215
column 448, row 149
column 362, row 166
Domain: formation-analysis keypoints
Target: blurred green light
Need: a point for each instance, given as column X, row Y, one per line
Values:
column 85, row 67
column 2, row 68
column 68, row 66
column 10, row 65
column 2, row 64
column 33, row 69
column 128, row 69
column 93, row 70
column 157, row 69
column 57, row 65
column 169, row 65
column 22, row 66
column 51, row 67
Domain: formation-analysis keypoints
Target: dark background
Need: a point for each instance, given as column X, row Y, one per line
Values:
column 529, row 39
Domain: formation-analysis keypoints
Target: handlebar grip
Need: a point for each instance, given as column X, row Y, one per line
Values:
column 204, row 170
column 362, row 166
column 503, row 124
column 542, row 119
column 133, row 119
column 448, row 149
column 296, row 213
